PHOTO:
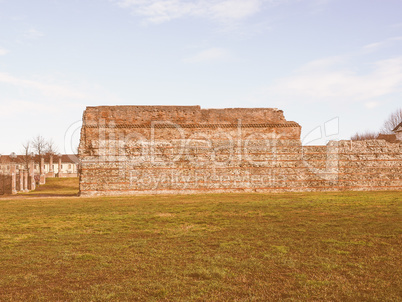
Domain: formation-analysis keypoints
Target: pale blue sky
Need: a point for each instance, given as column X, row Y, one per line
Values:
column 317, row 60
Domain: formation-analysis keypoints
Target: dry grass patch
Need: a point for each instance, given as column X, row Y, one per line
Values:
column 56, row 187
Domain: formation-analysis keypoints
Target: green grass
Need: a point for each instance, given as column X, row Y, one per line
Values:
column 213, row 247
column 56, row 187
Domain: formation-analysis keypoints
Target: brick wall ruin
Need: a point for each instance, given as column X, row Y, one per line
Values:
column 15, row 182
column 5, row 184
column 186, row 149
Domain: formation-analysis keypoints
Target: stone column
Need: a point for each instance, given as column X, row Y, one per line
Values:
column 13, row 179
column 42, row 163
column 42, row 180
column 26, row 181
column 51, row 163
column 21, row 182
column 41, row 166
column 32, row 175
column 51, row 170
column 60, row 166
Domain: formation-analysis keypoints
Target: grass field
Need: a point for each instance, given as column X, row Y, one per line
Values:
column 214, row 247
column 56, row 187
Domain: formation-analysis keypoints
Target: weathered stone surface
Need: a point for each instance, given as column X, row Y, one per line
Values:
column 5, row 184
column 186, row 149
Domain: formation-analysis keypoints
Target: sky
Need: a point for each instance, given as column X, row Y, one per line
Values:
column 333, row 66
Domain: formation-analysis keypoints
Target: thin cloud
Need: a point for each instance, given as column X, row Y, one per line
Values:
column 12, row 107
column 235, row 9
column 372, row 104
column 3, row 51
column 325, row 81
column 49, row 90
column 33, row 34
column 373, row 46
column 377, row 45
column 159, row 11
column 209, row 55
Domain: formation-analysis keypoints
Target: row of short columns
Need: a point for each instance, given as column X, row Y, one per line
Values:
column 51, row 165
column 26, row 179
column 51, row 171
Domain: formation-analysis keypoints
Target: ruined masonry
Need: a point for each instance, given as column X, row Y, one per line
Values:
column 185, row 149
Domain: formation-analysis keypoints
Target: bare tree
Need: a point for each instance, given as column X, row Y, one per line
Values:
column 51, row 148
column 26, row 153
column 364, row 136
column 42, row 147
column 39, row 145
column 392, row 121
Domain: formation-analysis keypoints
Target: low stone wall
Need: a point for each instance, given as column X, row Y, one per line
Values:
column 5, row 184
column 358, row 165
column 67, row 175
column 15, row 182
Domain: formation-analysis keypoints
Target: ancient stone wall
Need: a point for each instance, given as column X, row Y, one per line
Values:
column 5, row 184
column 163, row 149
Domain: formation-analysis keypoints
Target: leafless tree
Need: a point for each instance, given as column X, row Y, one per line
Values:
column 42, row 147
column 364, row 136
column 26, row 153
column 51, row 148
column 392, row 121
column 39, row 145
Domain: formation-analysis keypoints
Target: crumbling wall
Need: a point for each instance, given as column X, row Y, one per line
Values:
column 5, row 184
column 186, row 149
column 357, row 165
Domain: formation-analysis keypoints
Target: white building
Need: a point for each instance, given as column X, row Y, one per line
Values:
column 65, row 165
